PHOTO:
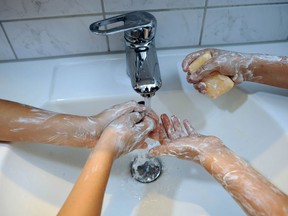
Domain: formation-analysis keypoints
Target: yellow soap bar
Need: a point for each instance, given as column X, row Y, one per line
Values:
column 216, row 84
column 201, row 60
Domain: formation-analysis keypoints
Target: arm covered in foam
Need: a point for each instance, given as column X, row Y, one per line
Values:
column 24, row 123
column 122, row 136
column 252, row 191
column 240, row 67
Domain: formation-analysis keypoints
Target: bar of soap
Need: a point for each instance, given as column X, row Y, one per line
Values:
column 197, row 63
column 216, row 84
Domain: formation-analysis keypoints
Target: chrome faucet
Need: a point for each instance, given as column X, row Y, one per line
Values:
column 139, row 32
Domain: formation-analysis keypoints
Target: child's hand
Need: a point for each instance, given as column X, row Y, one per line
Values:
column 182, row 143
column 126, row 133
column 99, row 122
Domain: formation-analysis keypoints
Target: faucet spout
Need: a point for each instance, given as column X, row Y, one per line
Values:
column 143, row 69
column 142, row 63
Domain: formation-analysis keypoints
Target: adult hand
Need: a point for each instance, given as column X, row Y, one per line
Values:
column 255, row 194
column 238, row 66
column 126, row 133
column 184, row 143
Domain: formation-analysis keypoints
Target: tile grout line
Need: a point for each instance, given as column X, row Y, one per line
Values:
column 104, row 17
column 203, row 23
column 50, row 17
column 104, row 13
column 123, row 51
column 8, row 40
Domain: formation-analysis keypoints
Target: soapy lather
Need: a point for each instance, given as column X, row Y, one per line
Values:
column 216, row 84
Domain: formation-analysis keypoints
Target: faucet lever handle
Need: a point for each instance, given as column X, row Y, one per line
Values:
column 139, row 20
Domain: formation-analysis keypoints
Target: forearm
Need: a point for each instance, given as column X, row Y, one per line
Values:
column 86, row 197
column 123, row 135
column 251, row 190
column 24, row 123
column 270, row 70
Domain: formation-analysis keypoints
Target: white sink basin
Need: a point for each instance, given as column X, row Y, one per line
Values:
column 36, row 179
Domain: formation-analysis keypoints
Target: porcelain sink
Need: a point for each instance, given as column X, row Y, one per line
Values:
column 36, row 178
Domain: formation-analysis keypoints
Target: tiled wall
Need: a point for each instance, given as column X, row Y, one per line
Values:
column 52, row 28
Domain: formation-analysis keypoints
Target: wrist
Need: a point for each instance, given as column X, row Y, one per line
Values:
column 210, row 148
column 221, row 161
column 200, row 148
column 107, row 143
column 105, row 152
column 80, row 131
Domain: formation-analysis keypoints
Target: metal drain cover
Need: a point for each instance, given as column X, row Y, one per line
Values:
column 145, row 170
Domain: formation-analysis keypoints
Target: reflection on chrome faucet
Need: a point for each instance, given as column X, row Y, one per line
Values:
column 142, row 62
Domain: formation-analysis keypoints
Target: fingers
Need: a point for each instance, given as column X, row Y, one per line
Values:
column 155, row 133
column 134, row 118
column 162, row 134
column 189, row 59
column 127, row 120
column 132, row 130
column 173, row 128
column 189, row 128
column 146, row 125
column 142, row 130
column 176, row 123
column 152, row 115
column 128, row 107
column 159, row 151
column 167, row 125
column 200, row 87
column 205, row 70
column 140, row 108
column 178, row 127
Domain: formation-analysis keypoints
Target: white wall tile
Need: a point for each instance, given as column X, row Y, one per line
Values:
column 245, row 24
column 179, row 28
column 130, row 5
column 241, row 2
column 47, row 31
column 174, row 29
column 54, row 37
column 17, row 9
column 5, row 50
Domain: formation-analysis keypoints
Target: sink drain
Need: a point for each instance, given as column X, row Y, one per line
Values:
column 145, row 170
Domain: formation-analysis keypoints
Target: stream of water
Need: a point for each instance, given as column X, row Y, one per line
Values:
column 148, row 101
column 145, row 169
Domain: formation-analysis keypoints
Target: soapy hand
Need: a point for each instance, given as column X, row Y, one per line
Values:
column 126, row 133
column 103, row 119
column 184, row 143
column 154, row 134
column 237, row 66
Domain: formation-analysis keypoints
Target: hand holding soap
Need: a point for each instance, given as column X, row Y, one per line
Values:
column 215, row 84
